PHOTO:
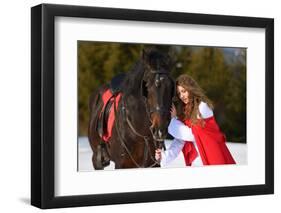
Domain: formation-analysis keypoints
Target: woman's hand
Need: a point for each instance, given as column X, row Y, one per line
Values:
column 173, row 111
column 158, row 155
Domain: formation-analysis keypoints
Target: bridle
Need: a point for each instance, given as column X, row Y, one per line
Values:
column 158, row 109
column 161, row 109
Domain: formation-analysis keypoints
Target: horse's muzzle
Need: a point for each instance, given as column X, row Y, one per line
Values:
column 158, row 134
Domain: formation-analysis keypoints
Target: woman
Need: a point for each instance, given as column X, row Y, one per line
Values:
column 194, row 128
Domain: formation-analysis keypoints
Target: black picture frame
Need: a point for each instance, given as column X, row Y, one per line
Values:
column 43, row 102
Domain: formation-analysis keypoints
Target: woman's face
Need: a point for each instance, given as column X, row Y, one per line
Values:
column 183, row 94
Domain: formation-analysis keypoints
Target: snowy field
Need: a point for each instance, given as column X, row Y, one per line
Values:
column 238, row 151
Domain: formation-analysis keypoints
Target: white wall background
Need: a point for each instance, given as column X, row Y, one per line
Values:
column 15, row 105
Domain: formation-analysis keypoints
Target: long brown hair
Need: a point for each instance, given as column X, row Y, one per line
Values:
column 196, row 95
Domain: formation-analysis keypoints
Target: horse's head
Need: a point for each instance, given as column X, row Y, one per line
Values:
column 158, row 89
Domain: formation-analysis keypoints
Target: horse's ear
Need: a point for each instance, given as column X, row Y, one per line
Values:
column 144, row 55
column 171, row 59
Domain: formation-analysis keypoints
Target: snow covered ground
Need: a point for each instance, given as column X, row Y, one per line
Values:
column 238, row 151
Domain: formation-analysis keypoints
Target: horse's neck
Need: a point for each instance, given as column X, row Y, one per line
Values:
column 134, row 103
column 136, row 109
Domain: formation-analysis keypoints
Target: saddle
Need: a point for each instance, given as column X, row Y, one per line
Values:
column 109, row 95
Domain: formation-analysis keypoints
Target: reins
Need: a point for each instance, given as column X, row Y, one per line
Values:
column 145, row 139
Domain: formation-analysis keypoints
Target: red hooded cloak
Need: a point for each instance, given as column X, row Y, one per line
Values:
column 211, row 143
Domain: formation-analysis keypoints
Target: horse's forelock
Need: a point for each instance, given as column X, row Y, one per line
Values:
column 156, row 59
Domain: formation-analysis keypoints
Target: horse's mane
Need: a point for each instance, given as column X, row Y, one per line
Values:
column 133, row 79
column 151, row 57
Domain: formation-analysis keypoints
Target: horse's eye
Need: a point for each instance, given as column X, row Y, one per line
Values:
column 157, row 83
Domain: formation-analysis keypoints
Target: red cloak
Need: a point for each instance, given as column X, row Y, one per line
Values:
column 211, row 143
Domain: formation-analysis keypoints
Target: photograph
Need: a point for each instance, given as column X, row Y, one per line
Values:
column 133, row 106
column 147, row 106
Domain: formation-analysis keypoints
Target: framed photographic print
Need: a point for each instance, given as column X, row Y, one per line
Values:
column 141, row 106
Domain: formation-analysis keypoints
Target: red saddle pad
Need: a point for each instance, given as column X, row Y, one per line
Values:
column 106, row 97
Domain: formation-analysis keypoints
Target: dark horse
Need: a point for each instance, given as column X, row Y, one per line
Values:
column 141, row 118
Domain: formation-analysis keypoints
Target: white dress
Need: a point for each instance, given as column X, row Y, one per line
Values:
column 182, row 133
